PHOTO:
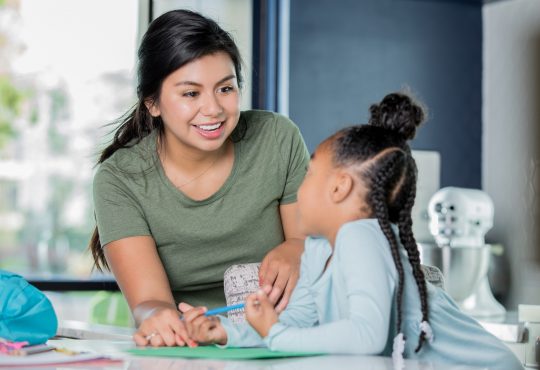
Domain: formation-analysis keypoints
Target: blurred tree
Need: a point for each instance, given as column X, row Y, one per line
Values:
column 11, row 97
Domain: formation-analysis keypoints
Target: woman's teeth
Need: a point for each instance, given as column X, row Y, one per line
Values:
column 210, row 127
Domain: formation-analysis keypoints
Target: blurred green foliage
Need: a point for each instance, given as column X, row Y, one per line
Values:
column 11, row 100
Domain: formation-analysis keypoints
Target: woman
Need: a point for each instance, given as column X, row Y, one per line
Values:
column 190, row 185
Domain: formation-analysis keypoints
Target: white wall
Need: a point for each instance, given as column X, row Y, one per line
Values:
column 507, row 147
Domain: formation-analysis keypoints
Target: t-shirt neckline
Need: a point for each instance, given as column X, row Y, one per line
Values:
column 212, row 198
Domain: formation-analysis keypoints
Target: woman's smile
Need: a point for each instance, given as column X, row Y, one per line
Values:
column 210, row 130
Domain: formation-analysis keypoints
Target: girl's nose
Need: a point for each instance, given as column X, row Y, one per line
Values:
column 210, row 105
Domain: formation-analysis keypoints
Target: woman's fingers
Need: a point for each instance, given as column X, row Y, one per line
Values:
column 270, row 275
column 276, row 280
column 284, row 301
column 278, row 274
column 162, row 329
column 157, row 341
column 284, row 274
column 179, row 340
column 140, row 339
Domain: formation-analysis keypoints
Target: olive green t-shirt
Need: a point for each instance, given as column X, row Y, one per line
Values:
column 198, row 240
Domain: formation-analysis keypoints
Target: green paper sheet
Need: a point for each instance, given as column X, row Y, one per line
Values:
column 213, row 352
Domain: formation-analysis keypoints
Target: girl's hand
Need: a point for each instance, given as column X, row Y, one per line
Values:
column 279, row 272
column 202, row 329
column 162, row 327
column 260, row 313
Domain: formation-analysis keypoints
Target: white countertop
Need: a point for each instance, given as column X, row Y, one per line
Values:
column 115, row 349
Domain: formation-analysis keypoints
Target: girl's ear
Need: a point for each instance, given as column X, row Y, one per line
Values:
column 152, row 107
column 342, row 186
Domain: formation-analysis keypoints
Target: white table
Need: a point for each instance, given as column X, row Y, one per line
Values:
column 115, row 349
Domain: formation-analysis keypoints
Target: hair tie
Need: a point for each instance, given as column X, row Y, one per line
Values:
column 397, row 351
column 428, row 332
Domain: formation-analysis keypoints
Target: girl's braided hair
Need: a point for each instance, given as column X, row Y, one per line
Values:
column 391, row 177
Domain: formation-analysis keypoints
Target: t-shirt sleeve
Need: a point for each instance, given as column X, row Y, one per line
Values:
column 117, row 211
column 294, row 155
column 369, row 293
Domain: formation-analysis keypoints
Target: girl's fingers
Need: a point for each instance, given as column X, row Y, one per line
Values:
column 198, row 332
column 184, row 307
column 205, row 330
column 262, row 301
column 191, row 318
column 253, row 303
column 251, row 298
column 192, row 314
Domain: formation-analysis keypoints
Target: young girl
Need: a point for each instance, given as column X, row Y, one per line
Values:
column 361, row 289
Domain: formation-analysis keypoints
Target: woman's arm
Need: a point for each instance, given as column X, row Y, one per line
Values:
column 279, row 269
column 141, row 277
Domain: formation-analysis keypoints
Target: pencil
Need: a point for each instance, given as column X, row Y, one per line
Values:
column 215, row 311
column 30, row 350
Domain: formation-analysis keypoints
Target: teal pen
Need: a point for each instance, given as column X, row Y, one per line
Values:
column 215, row 311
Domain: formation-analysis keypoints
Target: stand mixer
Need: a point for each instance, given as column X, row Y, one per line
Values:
column 459, row 220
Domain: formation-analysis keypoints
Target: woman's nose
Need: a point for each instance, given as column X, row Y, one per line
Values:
column 211, row 105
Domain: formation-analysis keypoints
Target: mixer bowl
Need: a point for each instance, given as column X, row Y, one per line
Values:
column 462, row 267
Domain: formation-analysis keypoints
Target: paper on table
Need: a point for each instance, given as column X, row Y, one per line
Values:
column 213, row 352
column 45, row 358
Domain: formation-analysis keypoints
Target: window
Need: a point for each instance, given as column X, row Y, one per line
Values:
column 63, row 76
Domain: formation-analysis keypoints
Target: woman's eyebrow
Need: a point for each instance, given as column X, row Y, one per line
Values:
column 193, row 83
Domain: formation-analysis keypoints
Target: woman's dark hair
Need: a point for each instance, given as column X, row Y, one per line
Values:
column 171, row 41
column 390, row 173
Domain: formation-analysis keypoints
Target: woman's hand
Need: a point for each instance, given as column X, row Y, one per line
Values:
column 279, row 272
column 140, row 275
column 260, row 313
column 202, row 329
column 161, row 327
column 280, row 268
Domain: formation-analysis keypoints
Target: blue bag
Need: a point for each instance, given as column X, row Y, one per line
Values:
column 26, row 314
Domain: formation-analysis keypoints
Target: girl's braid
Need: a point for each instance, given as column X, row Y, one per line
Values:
column 383, row 180
column 409, row 242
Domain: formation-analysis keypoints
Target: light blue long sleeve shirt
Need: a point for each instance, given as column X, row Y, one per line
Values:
column 349, row 308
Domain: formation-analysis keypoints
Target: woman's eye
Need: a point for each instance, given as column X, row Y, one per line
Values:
column 190, row 94
column 226, row 89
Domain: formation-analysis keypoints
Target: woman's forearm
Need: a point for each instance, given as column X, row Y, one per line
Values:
column 145, row 309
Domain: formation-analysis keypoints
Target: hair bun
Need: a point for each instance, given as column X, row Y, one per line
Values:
column 399, row 113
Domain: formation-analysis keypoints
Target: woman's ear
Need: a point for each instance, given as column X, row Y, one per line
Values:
column 342, row 186
column 152, row 107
